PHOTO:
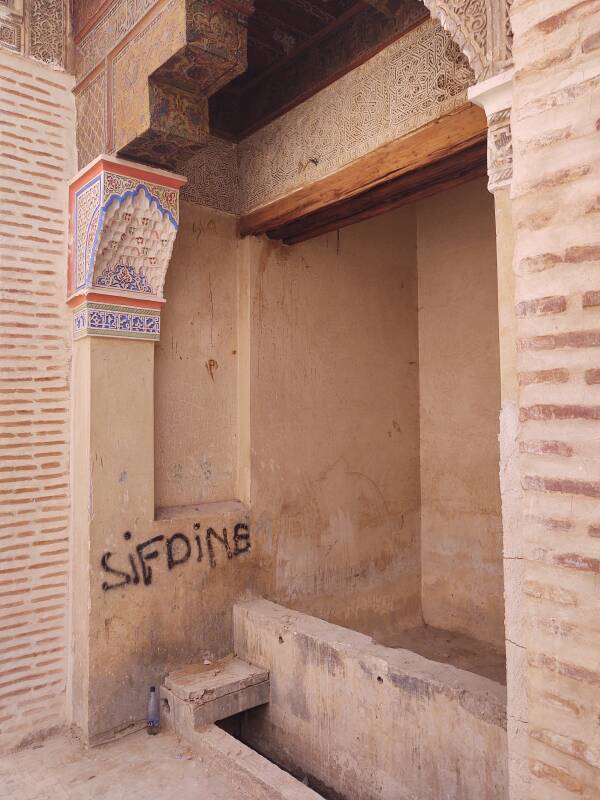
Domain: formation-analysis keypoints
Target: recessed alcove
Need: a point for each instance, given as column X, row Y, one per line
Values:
column 361, row 369
column 196, row 363
column 375, row 474
column 375, row 421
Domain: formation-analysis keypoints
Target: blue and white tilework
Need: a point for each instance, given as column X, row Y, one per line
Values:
column 103, row 319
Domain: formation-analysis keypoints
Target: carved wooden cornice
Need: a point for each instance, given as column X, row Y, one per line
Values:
column 214, row 51
column 156, row 72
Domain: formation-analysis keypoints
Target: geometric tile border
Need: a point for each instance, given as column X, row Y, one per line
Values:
column 110, row 319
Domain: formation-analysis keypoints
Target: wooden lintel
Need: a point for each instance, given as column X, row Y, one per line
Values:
column 406, row 188
column 433, row 142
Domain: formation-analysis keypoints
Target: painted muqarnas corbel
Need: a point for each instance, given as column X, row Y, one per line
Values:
column 123, row 222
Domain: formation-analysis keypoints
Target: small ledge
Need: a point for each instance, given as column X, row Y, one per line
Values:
column 220, row 508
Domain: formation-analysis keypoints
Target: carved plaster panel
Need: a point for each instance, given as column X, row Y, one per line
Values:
column 418, row 78
column 36, row 29
column 495, row 97
column 47, row 31
column 213, row 178
column 481, row 28
column 500, row 153
column 91, row 120
column 108, row 32
column 11, row 32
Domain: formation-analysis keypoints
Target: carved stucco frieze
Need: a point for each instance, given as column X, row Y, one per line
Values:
column 375, row 103
column 500, row 151
column 36, row 29
column 481, row 28
column 420, row 77
column 495, row 97
column 124, row 220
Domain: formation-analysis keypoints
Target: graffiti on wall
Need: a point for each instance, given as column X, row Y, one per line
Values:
column 138, row 567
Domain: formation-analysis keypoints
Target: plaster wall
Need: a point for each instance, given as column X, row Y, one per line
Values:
column 459, row 389
column 334, row 422
column 325, row 448
column 135, row 619
column 196, row 404
column 37, row 131
column 331, row 354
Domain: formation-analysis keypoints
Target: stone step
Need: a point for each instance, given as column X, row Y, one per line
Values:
column 200, row 694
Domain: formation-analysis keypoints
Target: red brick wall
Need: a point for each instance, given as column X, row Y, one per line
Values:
column 36, row 157
column 556, row 207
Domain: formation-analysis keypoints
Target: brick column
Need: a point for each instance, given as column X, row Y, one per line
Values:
column 557, row 264
column 495, row 97
column 123, row 222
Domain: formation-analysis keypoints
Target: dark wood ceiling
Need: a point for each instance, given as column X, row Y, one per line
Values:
column 296, row 47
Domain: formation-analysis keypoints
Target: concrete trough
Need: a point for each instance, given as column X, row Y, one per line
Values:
column 368, row 722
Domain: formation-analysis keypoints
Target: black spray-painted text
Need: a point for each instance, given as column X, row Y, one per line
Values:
column 176, row 550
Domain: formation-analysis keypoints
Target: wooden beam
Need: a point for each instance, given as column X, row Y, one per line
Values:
column 433, row 142
column 407, row 188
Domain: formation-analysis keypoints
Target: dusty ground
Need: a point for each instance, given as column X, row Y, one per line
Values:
column 448, row 648
column 135, row 767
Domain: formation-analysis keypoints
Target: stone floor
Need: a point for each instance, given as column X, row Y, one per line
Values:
column 139, row 766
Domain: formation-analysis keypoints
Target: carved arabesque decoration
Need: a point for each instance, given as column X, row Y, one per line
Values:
column 483, row 31
column 508, row 29
column 419, row 78
column 36, row 28
column 47, row 26
column 91, row 120
column 481, row 28
column 500, row 157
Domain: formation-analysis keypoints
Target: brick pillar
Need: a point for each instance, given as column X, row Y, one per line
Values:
column 124, row 220
column 556, row 210
column 495, row 97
